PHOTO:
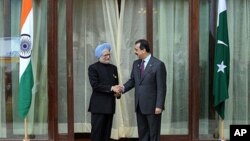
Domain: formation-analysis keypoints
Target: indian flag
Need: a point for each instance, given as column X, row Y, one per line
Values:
column 25, row 67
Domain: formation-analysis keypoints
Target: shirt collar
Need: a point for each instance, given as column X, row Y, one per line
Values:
column 147, row 58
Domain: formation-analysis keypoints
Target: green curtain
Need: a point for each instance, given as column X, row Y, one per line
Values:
column 62, row 68
column 37, row 116
column 204, row 66
column 237, row 108
column 2, row 81
column 9, row 45
column 171, row 46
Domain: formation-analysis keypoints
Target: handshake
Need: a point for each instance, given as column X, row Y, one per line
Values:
column 118, row 89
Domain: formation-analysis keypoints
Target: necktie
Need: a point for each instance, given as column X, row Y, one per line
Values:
column 142, row 67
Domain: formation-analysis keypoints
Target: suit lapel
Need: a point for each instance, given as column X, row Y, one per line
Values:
column 138, row 69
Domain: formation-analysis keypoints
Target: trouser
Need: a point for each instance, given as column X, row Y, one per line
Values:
column 149, row 126
column 101, row 126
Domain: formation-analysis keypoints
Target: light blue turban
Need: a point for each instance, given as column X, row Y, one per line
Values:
column 99, row 49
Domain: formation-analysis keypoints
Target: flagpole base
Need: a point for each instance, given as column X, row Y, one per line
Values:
column 26, row 139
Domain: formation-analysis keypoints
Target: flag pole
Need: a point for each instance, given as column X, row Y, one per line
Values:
column 26, row 138
column 222, row 129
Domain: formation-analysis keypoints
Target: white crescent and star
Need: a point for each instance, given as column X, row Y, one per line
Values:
column 221, row 66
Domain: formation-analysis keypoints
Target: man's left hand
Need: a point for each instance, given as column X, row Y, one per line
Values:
column 158, row 110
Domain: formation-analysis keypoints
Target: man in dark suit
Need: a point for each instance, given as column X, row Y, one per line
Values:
column 102, row 77
column 148, row 77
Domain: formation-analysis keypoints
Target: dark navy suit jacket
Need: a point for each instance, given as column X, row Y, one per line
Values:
column 102, row 77
column 150, row 89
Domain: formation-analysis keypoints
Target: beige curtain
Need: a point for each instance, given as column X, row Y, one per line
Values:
column 132, row 26
column 99, row 21
column 94, row 22
column 122, row 31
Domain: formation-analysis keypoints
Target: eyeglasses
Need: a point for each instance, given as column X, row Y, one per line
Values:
column 106, row 55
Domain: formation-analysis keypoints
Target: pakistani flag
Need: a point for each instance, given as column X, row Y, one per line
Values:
column 25, row 66
column 221, row 61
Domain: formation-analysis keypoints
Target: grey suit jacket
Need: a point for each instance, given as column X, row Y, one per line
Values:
column 150, row 89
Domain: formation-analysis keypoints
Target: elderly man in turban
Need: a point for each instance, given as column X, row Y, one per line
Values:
column 103, row 78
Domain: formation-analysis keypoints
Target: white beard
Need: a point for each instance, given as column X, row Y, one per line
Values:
column 104, row 61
